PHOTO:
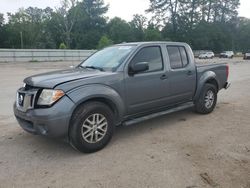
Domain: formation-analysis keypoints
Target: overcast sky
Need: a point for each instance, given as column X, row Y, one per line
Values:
column 121, row 8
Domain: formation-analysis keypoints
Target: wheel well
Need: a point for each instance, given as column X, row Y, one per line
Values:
column 213, row 82
column 108, row 102
column 105, row 101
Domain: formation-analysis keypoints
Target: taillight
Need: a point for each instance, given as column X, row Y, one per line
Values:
column 227, row 71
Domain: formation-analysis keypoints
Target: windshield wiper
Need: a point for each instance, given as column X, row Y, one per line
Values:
column 92, row 67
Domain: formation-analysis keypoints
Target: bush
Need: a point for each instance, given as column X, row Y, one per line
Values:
column 104, row 42
column 62, row 46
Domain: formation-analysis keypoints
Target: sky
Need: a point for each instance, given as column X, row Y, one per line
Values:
column 124, row 9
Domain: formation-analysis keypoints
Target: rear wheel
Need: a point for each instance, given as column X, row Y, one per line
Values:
column 91, row 127
column 207, row 99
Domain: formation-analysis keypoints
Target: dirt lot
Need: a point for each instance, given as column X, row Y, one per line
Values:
column 183, row 150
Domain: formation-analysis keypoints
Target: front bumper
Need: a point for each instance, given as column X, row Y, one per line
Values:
column 51, row 122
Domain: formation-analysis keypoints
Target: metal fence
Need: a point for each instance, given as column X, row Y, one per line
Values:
column 29, row 55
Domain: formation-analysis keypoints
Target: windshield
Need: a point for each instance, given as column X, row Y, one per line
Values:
column 108, row 59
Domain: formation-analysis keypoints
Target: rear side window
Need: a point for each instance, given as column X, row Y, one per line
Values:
column 152, row 55
column 183, row 56
column 177, row 56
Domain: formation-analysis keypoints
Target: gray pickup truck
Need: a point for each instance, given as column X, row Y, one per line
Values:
column 119, row 85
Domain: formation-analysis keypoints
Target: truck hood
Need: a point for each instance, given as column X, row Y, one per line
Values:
column 52, row 79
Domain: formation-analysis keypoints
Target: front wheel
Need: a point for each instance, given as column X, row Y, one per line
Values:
column 207, row 99
column 92, row 127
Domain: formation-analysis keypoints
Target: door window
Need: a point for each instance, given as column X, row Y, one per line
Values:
column 152, row 55
column 183, row 56
column 177, row 56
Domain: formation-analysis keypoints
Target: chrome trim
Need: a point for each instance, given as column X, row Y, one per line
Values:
column 28, row 99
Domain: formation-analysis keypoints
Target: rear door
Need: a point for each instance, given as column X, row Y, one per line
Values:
column 182, row 74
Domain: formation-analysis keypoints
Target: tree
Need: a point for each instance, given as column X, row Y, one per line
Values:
column 138, row 25
column 30, row 23
column 243, row 35
column 165, row 11
column 81, row 24
column 90, row 24
column 119, row 30
column 152, row 33
column 2, row 31
column 1, row 20
column 104, row 42
column 65, row 17
column 184, row 20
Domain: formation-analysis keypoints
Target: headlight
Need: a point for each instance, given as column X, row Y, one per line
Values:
column 49, row 96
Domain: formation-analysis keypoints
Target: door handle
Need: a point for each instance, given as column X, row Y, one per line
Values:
column 189, row 72
column 164, row 77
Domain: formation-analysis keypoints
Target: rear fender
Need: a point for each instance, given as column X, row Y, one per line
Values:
column 209, row 75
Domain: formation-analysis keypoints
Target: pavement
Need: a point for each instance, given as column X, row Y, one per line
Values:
column 180, row 150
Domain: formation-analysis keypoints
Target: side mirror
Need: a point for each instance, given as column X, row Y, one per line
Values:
column 138, row 67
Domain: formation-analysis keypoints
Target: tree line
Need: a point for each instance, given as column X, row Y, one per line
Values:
column 81, row 24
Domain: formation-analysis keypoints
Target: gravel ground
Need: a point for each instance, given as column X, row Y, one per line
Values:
column 183, row 150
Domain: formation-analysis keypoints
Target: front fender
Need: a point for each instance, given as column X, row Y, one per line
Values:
column 89, row 92
column 202, row 80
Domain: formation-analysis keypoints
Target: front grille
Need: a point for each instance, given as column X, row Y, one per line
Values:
column 25, row 99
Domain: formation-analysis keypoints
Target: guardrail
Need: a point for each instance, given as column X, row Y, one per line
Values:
column 29, row 55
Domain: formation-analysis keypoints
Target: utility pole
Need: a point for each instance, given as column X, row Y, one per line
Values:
column 21, row 36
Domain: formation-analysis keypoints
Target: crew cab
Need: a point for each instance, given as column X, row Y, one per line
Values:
column 119, row 85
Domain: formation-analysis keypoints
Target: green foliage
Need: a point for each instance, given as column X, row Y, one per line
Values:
column 138, row 26
column 104, row 42
column 205, row 24
column 81, row 24
column 1, row 20
column 152, row 33
column 242, row 35
column 90, row 24
column 31, row 22
column 119, row 30
column 62, row 46
column 2, row 31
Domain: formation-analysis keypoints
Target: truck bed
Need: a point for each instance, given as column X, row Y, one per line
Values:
column 218, row 69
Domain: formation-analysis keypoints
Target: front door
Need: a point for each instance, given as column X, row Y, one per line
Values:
column 147, row 90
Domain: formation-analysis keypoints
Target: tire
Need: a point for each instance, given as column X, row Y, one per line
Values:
column 88, row 135
column 207, row 99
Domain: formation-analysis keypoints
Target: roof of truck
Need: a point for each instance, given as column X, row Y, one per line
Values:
column 151, row 42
